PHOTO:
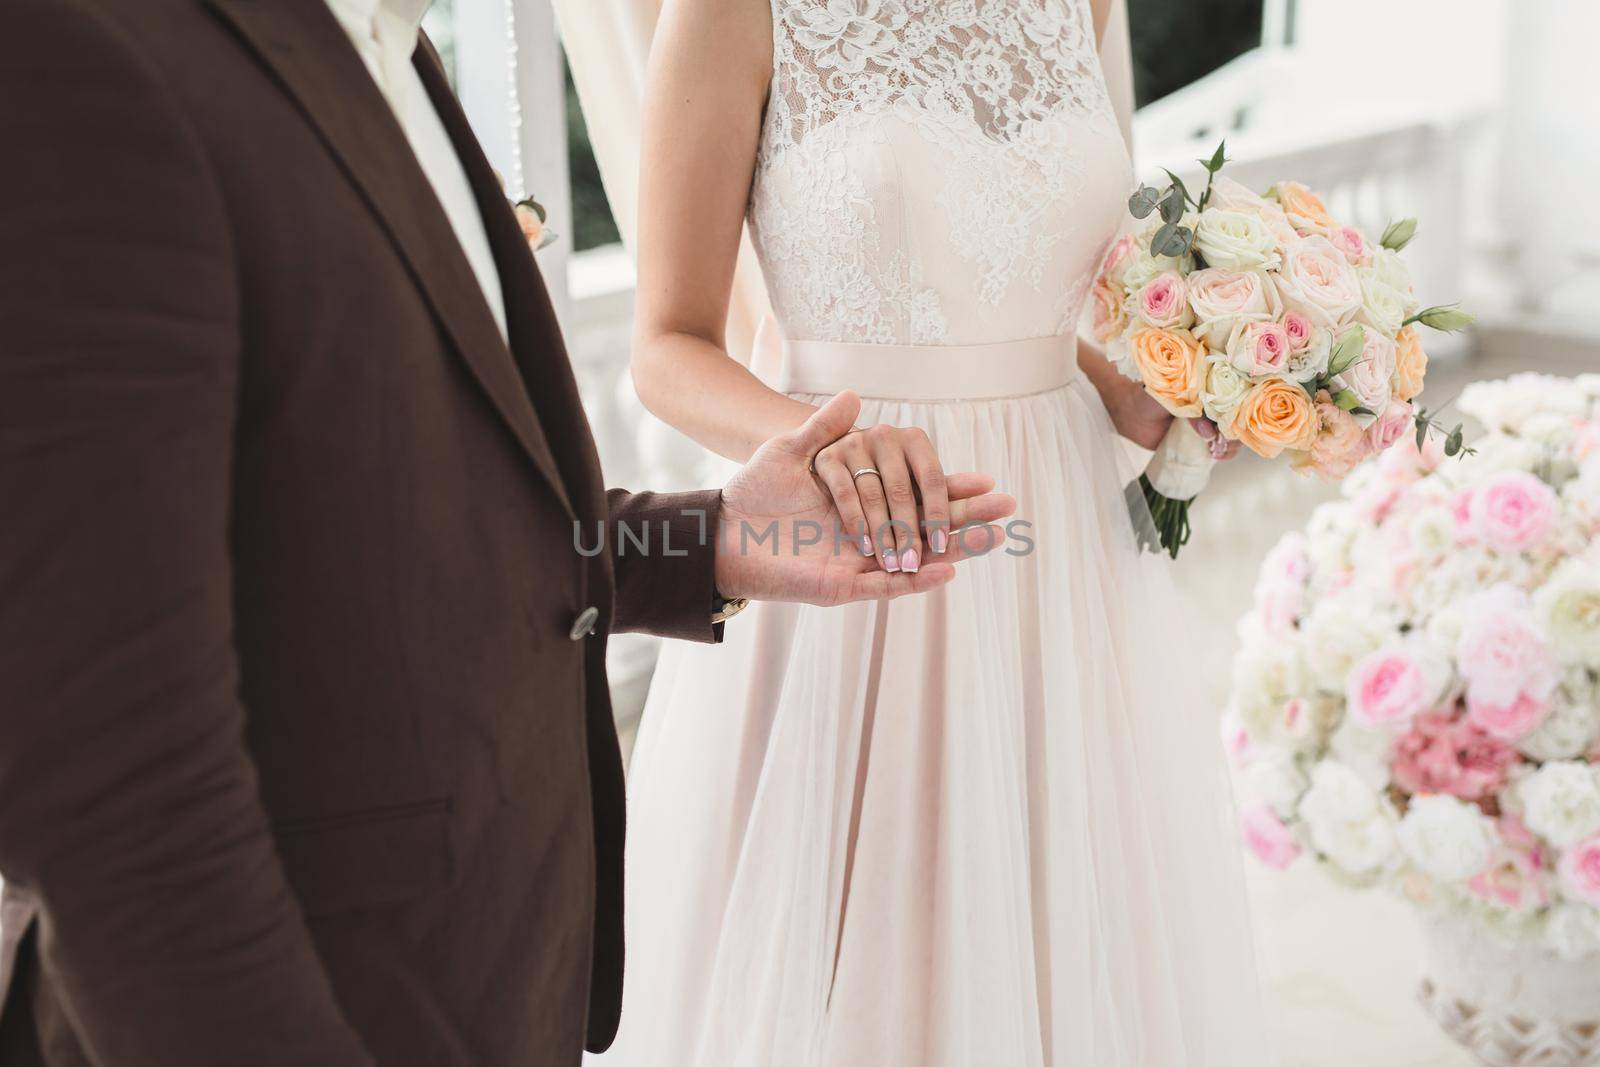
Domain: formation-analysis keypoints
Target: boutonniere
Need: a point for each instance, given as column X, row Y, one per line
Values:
column 534, row 219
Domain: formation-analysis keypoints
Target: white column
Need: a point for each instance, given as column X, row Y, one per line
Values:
column 509, row 77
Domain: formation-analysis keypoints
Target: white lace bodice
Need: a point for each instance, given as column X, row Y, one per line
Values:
column 935, row 171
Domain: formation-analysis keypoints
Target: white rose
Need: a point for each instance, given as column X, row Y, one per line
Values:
column 1571, row 728
column 1311, row 362
column 1561, row 802
column 1317, row 281
column 1432, row 532
column 1229, row 195
column 1275, row 778
column 1505, row 403
column 1447, row 839
column 1383, row 308
column 1390, row 270
column 1549, row 428
column 1370, row 377
column 1346, row 821
column 1367, row 752
column 1234, row 240
column 1221, row 299
column 1588, row 385
column 1120, row 352
column 1338, row 632
column 1266, row 675
column 1568, row 607
column 1223, row 389
column 1572, row 930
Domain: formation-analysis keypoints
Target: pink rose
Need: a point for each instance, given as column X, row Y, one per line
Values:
column 1258, row 348
column 1164, row 301
column 1339, row 444
column 1388, row 427
column 1509, row 670
column 1220, row 298
column 1580, row 870
column 1512, row 721
column 1514, row 879
column 1118, row 259
column 1319, row 283
column 1236, row 739
column 1513, row 511
column 1461, row 510
column 1371, row 376
column 1267, row 838
column 1289, row 560
column 1444, row 754
column 1299, row 329
column 1387, row 688
column 1349, row 241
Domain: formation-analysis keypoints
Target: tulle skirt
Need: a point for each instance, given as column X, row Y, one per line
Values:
column 986, row 826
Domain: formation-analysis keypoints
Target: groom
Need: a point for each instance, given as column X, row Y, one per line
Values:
column 306, row 758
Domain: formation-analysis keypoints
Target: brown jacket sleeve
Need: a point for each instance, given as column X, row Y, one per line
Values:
column 663, row 547
column 128, row 803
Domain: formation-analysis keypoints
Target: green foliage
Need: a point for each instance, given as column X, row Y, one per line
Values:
column 1399, row 234
column 1446, row 318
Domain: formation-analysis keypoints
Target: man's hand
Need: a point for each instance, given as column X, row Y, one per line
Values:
column 780, row 537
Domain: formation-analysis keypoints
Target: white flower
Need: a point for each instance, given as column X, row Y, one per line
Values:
column 1568, row 607
column 1447, row 839
column 1383, row 307
column 1275, row 778
column 1346, row 820
column 1572, row 727
column 1311, row 362
column 1572, row 930
column 1235, row 240
column 1364, row 751
column 1223, row 389
column 1389, row 270
column 1338, row 632
column 1432, row 532
column 1561, row 802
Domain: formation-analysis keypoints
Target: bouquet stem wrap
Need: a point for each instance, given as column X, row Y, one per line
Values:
column 1177, row 473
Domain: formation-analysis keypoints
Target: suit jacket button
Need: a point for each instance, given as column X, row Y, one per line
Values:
column 583, row 625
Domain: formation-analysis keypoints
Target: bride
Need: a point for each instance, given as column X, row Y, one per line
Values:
column 986, row 827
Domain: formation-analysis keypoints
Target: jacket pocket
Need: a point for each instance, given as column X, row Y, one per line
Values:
column 367, row 858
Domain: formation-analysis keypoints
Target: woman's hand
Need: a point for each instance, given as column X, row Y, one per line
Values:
column 1138, row 417
column 876, row 477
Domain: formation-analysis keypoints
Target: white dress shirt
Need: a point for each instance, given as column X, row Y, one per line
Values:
column 385, row 33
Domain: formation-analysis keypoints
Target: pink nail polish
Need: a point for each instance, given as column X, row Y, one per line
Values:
column 891, row 562
column 940, row 540
column 910, row 562
column 866, row 545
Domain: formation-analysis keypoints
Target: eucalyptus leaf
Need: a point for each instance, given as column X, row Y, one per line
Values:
column 1452, row 444
column 1171, row 240
column 1177, row 183
column 1422, row 430
column 1172, row 207
column 1399, row 234
column 1142, row 203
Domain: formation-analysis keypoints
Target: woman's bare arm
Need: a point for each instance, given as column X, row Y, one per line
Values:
column 710, row 67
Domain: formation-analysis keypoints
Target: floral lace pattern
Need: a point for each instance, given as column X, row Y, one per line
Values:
column 1002, row 91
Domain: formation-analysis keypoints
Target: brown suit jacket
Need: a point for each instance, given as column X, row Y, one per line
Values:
column 302, row 758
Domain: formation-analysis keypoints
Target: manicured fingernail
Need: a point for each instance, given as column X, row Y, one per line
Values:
column 891, row 562
column 866, row 545
column 910, row 561
column 940, row 540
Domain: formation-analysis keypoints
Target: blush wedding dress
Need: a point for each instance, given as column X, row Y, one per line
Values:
column 987, row 826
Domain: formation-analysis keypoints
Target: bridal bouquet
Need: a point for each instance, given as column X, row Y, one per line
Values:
column 1294, row 334
column 1417, row 699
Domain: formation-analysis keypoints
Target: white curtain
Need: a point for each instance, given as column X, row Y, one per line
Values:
column 608, row 49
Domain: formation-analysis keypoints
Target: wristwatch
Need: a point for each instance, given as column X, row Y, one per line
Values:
column 723, row 609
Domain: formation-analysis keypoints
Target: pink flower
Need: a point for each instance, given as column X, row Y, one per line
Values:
column 1267, row 838
column 1164, row 301
column 1580, row 870
column 1259, row 348
column 1444, row 754
column 1509, row 669
column 1514, row 879
column 1387, row 688
column 1512, row 721
column 1339, row 444
column 1348, row 239
column 1299, row 328
column 1513, row 511
column 1389, row 427
column 1236, row 739
column 1118, row 259
column 1110, row 313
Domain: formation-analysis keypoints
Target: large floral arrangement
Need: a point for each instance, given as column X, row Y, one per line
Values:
column 1290, row 331
column 1417, row 698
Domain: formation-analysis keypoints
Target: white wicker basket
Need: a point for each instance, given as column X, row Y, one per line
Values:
column 1511, row 1006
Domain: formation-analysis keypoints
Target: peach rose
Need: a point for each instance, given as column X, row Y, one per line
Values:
column 1274, row 415
column 1169, row 363
column 1338, row 446
column 1410, row 364
column 1109, row 310
column 1305, row 209
column 532, row 225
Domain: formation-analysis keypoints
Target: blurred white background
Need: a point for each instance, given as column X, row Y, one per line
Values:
column 1478, row 116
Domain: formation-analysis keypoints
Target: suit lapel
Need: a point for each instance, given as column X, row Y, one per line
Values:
column 304, row 46
column 535, row 333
